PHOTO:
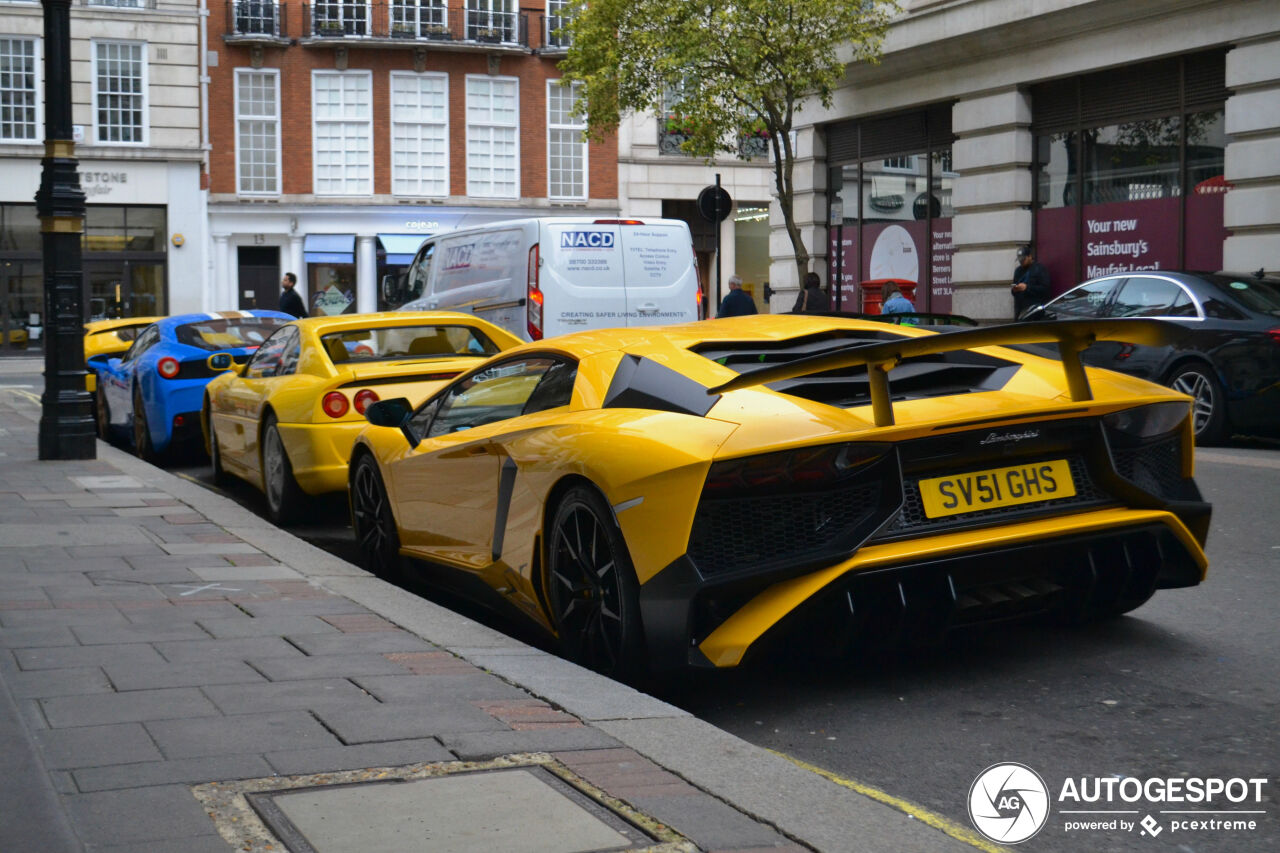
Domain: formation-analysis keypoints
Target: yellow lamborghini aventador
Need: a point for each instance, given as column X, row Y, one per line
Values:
column 681, row 496
column 285, row 419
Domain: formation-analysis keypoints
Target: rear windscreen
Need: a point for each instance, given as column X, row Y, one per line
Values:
column 230, row 333
column 406, row 342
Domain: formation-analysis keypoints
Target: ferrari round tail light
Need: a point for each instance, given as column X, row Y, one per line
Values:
column 364, row 399
column 168, row 367
column 335, row 404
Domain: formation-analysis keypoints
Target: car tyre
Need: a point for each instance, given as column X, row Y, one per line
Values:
column 284, row 498
column 1209, row 406
column 142, row 446
column 102, row 414
column 220, row 476
column 592, row 588
column 373, row 522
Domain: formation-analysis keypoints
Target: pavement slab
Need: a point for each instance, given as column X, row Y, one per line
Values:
column 193, row 737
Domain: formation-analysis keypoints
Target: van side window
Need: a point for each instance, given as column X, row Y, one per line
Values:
column 420, row 272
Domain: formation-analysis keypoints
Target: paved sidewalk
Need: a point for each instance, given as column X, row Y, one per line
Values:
column 178, row 675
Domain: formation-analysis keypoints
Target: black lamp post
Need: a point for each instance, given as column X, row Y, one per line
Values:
column 66, row 415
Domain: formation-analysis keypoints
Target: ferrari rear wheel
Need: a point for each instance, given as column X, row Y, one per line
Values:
column 142, row 445
column 220, row 476
column 284, row 498
column 1209, row 404
column 373, row 522
column 103, row 415
column 592, row 587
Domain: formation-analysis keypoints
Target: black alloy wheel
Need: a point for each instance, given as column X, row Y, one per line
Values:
column 373, row 522
column 102, row 414
column 1208, row 407
column 142, row 445
column 592, row 588
column 285, row 499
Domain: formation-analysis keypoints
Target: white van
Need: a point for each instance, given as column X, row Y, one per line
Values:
column 542, row 277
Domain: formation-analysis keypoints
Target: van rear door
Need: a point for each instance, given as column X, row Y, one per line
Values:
column 581, row 277
column 658, row 267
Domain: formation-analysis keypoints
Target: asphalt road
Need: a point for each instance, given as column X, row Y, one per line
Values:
column 1186, row 686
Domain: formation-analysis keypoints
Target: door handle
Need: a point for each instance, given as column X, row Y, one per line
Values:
column 478, row 450
column 647, row 308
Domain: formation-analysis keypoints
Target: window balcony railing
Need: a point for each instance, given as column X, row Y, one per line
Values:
column 263, row 19
column 552, row 37
column 414, row 22
column 122, row 4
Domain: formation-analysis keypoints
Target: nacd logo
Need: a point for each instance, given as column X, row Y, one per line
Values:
column 1008, row 803
column 586, row 240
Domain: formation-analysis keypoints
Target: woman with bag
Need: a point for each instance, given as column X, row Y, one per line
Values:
column 811, row 300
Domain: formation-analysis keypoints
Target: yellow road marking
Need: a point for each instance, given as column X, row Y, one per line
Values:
column 35, row 398
column 920, row 813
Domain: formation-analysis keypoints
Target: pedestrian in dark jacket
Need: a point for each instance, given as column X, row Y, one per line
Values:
column 1030, row 282
column 737, row 302
column 812, row 299
column 290, row 301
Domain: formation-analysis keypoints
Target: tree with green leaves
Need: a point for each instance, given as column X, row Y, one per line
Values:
column 720, row 70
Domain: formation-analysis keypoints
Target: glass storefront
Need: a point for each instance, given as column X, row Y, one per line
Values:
column 1142, row 191
column 123, row 261
column 891, row 209
column 751, row 252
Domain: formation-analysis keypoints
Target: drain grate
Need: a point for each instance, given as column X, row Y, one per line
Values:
column 526, row 803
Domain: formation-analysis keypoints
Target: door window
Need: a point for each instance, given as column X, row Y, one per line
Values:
column 420, row 272
column 1151, row 297
column 1087, row 300
column 503, row 391
column 144, row 342
column 273, row 357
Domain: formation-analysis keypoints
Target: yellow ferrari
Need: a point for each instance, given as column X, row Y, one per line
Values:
column 286, row 417
column 682, row 496
column 110, row 338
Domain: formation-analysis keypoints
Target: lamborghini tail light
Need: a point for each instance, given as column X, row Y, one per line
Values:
column 805, row 467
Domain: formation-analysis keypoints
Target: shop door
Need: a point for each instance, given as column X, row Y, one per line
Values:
column 259, row 277
column 21, row 305
column 123, row 289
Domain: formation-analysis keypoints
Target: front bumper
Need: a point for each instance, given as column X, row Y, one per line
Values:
column 319, row 453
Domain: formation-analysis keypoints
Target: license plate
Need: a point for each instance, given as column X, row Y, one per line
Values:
column 979, row 490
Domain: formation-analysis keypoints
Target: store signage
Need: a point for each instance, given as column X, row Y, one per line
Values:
column 423, row 225
column 332, row 301
column 102, row 182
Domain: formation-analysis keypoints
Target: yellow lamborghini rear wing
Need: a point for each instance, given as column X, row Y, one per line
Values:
column 1071, row 336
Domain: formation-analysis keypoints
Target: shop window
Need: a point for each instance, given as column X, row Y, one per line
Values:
column 120, row 91
column 19, row 90
column 342, row 116
column 566, row 144
column 420, row 134
column 257, row 104
column 493, row 124
column 1206, row 190
column 145, row 229
column 19, row 228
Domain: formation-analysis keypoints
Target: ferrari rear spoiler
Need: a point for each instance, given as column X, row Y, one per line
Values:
column 1071, row 336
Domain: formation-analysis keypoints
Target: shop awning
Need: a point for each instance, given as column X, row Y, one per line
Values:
column 329, row 249
column 401, row 248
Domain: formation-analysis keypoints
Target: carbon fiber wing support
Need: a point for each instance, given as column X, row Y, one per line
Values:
column 1071, row 336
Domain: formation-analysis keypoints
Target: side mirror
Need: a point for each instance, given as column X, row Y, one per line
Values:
column 393, row 413
column 98, row 362
column 221, row 361
column 389, row 413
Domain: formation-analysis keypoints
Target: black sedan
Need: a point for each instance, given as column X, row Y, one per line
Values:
column 1229, row 361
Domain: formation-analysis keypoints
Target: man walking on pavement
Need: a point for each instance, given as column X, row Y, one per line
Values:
column 737, row 302
column 1030, row 282
column 290, row 301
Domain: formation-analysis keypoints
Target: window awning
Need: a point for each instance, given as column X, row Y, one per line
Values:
column 329, row 249
column 401, row 248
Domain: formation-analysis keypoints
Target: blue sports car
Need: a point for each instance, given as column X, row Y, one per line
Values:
column 154, row 392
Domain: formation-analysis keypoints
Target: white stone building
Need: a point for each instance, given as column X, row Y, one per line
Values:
column 1109, row 134
column 136, row 107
